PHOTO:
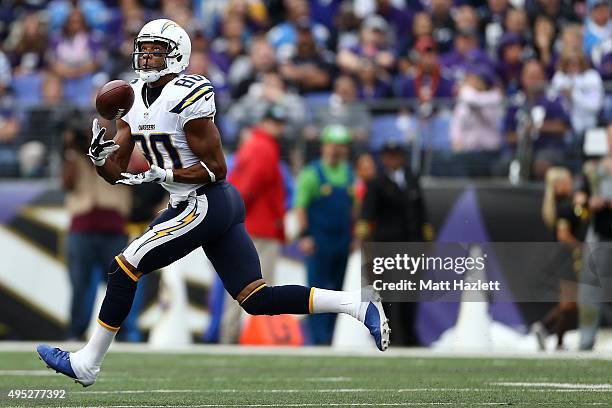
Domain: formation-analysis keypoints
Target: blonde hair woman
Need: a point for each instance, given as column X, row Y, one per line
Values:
column 558, row 183
column 558, row 214
column 582, row 87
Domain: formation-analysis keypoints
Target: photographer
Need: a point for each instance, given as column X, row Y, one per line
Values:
column 98, row 213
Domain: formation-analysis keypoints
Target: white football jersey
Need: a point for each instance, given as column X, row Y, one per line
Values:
column 158, row 129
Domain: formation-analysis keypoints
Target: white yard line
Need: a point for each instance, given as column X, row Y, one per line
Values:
column 357, row 404
column 26, row 373
column 577, row 386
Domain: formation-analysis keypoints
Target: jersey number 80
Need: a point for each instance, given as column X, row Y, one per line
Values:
column 156, row 139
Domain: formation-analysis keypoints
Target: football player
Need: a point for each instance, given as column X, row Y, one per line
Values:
column 172, row 122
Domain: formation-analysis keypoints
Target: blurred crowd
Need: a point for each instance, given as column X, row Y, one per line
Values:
column 361, row 96
column 470, row 81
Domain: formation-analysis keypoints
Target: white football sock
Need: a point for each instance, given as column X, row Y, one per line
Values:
column 87, row 361
column 335, row 301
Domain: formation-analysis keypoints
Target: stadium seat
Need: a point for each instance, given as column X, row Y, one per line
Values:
column 386, row 128
column 315, row 101
column 28, row 90
column 79, row 91
column 229, row 130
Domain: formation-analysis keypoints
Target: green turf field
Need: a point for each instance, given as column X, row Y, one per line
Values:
column 210, row 380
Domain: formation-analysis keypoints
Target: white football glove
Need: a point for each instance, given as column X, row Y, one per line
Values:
column 100, row 149
column 154, row 175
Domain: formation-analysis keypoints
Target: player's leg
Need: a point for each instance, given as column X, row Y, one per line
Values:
column 231, row 322
column 171, row 236
column 235, row 259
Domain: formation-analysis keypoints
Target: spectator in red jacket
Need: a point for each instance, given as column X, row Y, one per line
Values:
column 258, row 177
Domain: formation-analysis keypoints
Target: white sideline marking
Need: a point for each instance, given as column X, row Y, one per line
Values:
column 15, row 373
column 356, row 404
column 288, row 351
column 288, row 391
column 573, row 386
column 338, row 404
column 357, row 390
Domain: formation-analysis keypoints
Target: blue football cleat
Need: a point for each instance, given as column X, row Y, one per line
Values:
column 59, row 360
column 377, row 323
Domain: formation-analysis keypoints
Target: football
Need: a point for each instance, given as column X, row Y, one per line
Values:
column 114, row 99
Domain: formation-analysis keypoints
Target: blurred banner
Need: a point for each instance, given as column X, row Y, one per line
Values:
column 34, row 285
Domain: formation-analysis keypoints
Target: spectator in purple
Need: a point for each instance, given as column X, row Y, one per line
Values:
column 230, row 45
column 544, row 34
column 346, row 28
column 562, row 12
column 11, row 11
column 598, row 25
column 374, row 82
column 492, row 20
column 27, row 45
column 602, row 59
column 247, row 69
column 517, row 21
column 443, row 24
column 131, row 21
column 373, row 45
column 200, row 64
column 283, row 36
column 466, row 18
column 510, row 62
column 75, row 56
column 465, row 53
column 539, row 116
column 427, row 81
column 422, row 26
column 310, row 68
column 323, row 11
column 400, row 21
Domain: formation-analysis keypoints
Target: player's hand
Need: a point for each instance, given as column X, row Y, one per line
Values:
column 100, row 149
column 154, row 175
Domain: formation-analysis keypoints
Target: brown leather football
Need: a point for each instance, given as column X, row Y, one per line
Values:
column 114, row 99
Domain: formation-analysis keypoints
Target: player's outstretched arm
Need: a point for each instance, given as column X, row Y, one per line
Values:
column 205, row 142
column 111, row 157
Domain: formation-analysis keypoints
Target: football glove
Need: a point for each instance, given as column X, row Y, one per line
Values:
column 154, row 175
column 100, row 149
